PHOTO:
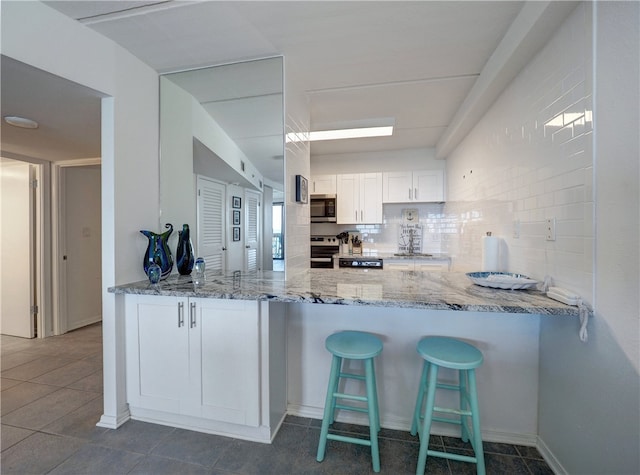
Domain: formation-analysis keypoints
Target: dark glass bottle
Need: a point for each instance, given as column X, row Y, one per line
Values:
column 184, row 253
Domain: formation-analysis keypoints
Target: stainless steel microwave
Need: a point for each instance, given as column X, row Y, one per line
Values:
column 323, row 208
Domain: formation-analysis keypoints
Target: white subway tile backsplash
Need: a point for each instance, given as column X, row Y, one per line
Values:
column 532, row 159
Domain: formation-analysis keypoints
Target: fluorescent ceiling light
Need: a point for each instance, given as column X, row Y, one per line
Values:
column 21, row 122
column 338, row 134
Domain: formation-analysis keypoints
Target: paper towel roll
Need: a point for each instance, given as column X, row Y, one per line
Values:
column 490, row 253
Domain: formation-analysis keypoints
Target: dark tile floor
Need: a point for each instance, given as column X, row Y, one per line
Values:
column 51, row 400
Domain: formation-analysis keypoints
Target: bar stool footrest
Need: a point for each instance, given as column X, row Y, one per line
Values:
column 353, row 440
column 447, row 455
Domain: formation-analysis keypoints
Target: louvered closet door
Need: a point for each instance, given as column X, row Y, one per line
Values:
column 252, row 233
column 211, row 223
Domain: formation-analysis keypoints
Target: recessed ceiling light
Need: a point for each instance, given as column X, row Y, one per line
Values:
column 337, row 134
column 21, row 122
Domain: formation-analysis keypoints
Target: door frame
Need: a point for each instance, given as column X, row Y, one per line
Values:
column 58, row 240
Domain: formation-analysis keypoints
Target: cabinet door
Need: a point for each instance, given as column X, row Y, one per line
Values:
column 323, row 185
column 370, row 198
column 428, row 186
column 226, row 359
column 397, row 187
column 348, row 199
column 157, row 345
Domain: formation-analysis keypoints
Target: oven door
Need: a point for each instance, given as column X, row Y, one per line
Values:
column 322, row 256
column 321, row 263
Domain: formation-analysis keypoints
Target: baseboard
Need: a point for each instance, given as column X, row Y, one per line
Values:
column 550, row 458
column 113, row 422
column 404, row 424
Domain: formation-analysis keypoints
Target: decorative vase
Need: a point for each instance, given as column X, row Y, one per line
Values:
column 184, row 252
column 158, row 251
column 154, row 273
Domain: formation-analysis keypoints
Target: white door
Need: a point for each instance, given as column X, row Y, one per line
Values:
column 211, row 223
column 81, row 258
column 251, row 230
column 17, row 249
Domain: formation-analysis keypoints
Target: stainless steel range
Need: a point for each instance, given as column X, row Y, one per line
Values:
column 323, row 249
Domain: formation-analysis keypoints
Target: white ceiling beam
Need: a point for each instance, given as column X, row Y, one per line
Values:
column 528, row 33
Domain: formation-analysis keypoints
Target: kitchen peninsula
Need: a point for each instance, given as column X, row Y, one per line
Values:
column 234, row 355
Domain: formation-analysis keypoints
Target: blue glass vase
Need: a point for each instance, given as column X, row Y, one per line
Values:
column 158, row 251
column 184, row 252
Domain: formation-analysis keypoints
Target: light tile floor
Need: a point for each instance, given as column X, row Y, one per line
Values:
column 51, row 400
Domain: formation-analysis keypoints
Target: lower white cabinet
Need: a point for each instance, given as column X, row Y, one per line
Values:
column 197, row 363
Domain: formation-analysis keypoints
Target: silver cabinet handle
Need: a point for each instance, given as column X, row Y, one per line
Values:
column 192, row 314
column 180, row 314
column 415, row 194
column 356, row 218
column 361, row 216
column 409, row 193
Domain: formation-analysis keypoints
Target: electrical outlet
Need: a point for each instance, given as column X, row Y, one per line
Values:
column 550, row 229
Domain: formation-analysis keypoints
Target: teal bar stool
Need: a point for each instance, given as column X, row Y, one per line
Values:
column 352, row 345
column 440, row 352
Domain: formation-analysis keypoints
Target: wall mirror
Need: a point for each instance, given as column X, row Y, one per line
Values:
column 226, row 123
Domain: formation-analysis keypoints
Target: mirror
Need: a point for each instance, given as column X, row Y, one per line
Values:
column 226, row 123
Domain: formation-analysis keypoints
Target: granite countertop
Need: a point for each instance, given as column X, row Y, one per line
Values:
column 393, row 288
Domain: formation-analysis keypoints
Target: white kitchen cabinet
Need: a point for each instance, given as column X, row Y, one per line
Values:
column 197, row 363
column 413, row 187
column 323, row 185
column 359, row 198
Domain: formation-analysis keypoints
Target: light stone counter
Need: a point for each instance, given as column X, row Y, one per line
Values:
column 404, row 289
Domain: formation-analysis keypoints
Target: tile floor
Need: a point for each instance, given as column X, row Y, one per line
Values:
column 51, row 400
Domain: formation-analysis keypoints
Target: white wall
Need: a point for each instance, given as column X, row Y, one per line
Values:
column 382, row 161
column 519, row 164
column 507, row 381
column 296, row 162
column 590, row 405
column 39, row 36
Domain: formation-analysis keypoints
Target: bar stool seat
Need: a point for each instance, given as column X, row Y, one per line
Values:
column 352, row 345
column 442, row 352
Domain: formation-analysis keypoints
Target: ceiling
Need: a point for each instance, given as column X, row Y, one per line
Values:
column 432, row 68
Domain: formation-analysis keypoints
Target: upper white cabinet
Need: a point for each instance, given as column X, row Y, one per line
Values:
column 359, row 198
column 418, row 186
column 323, row 185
